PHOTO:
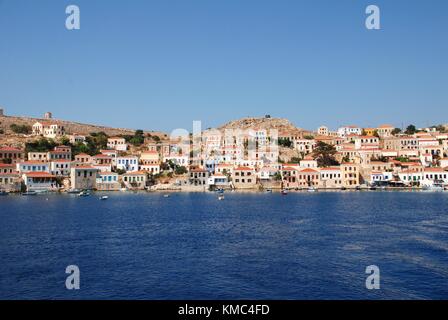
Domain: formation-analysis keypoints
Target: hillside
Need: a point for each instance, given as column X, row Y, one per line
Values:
column 71, row 127
column 261, row 123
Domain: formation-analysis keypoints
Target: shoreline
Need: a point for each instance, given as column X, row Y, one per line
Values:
column 241, row 191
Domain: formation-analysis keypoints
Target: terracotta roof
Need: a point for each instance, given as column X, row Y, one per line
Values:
column 385, row 126
column 10, row 149
column 243, row 169
column 85, row 167
column 309, row 170
column 434, row 170
column 330, row 169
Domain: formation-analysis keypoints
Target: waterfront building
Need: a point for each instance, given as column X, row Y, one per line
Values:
column 218, row 180
column 198, row 177
column 9, row 178
column 289, row 177
column 308, row 177
column 135, row 180
column 83, row 177
column 108, row 181
column 330, row 177
column 244, row 177
column 39, row 181
column 350, row 175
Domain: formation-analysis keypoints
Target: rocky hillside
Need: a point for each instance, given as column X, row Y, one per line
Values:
column 7, row 137
column 261, row 123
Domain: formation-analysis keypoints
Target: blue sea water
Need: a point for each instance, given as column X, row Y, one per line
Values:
column 249, row 246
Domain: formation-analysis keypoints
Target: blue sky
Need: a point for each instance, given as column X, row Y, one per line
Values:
column 159, row 65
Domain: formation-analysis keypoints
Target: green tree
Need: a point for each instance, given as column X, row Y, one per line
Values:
column 21, row 129
column 324, row 154
column 284, row 142
column 180, row 170
column 41, row 145
column 411, row 129
column 396, row 131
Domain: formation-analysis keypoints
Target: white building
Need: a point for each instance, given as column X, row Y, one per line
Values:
column 33, row 166
column 48, row 129
column 117, row 143
column 128, row 163
column 60, row 167
column 349, row 130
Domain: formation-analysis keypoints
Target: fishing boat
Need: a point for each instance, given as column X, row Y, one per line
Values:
column 104, row 197
column 268, row 190
column 29, row 193
column 74, row 191
column 166, row 195
column 84, row 194
column 312, row 189
column 221, row 197
column 284, row 192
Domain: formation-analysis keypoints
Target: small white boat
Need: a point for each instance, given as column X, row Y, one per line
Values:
column 166, row 195
column 104, row 197
column 284, row 192
column 268, row 190
column 311, row 189
column 29, row 193
column 221, row 197
column 74, row 191
column 84, row 194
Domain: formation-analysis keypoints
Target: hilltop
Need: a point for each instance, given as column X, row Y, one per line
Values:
column 261, row 123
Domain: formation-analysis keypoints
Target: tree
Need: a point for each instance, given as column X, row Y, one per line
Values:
column 21, row 129
column 411, row 129
column 180, row 170
column 396, row 131
column 284, row 142
column 41, row 145
column 324, row 154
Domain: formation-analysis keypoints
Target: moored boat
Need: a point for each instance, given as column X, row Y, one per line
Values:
column 74, row 191
column 84, row 194
column 29, row 193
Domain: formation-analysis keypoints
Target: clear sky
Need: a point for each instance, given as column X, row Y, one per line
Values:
column 159, row 65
